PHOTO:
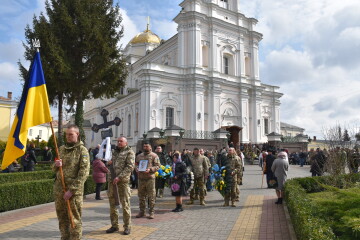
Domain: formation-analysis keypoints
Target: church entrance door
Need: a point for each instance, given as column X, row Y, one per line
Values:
column 234, row 135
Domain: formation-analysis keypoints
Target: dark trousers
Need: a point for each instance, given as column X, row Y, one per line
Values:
column 98, row 190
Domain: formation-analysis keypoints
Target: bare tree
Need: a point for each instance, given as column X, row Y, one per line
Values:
column 340, row 145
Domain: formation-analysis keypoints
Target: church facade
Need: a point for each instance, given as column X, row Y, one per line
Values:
column 204, row 78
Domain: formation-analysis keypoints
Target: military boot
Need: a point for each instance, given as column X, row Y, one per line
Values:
column 151, row 215
column 140, row 214
column 202, row 202
column 233, row 204
column 226, row 203
column 196, row 197
column 161, row 193
column 191, row 202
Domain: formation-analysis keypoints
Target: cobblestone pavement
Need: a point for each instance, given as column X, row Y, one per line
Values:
column 255, row 217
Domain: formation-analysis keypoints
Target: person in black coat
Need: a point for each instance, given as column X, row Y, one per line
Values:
column 178, row 181
column 269, row 160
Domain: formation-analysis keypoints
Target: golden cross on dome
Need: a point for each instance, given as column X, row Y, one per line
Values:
column 148, row 24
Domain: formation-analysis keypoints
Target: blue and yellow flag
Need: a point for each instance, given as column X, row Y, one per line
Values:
column 33, row 110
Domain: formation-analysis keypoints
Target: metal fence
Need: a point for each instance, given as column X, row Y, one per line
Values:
column 193, row 134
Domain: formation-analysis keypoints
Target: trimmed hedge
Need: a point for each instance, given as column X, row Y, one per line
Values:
column 6, row 178
column 302, row 209
column 306, row 226
column 29, row 193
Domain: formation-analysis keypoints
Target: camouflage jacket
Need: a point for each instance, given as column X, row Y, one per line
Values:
column 75, row 165
column 153, row 164
column 123, row 162
column 234, row 164
column 199, row 166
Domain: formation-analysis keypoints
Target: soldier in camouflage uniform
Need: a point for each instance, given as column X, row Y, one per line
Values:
column 202, row 153
column 201, row 171
column 146, row 188
column 75, row 162
column 233, row 165
column 123, row 161
column 160, row 182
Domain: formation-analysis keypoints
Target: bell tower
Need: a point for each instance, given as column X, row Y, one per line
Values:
column 233, row 5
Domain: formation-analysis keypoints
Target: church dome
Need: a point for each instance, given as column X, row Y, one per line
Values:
column 146, row 37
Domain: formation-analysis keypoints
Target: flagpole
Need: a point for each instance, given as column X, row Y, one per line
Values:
column 62, row 178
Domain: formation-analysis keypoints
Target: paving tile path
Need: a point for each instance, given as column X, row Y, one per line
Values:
column 255, row 217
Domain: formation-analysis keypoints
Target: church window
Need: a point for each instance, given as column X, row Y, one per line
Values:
column 122, row 91
column 266, row 126
column 224, row 4
column 129, row 126
column 30, row 132
column 169, row 117
column 226, row 65
column 40, row 133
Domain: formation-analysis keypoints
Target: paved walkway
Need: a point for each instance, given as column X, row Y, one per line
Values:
column 255, row 217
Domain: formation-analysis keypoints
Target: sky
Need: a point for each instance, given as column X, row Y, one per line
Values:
column 310, row 49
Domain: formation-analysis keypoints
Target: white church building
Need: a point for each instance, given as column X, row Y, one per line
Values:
column 204, row 78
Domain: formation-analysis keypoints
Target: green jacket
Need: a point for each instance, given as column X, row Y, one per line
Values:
column 123, row 162
column 75, row 165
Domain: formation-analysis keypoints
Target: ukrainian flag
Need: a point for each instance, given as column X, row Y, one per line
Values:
column 33, row 110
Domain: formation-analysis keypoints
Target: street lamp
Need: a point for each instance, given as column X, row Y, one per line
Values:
column 162, row 132
column 144, row 135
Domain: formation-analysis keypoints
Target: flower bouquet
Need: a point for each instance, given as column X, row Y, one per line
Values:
column 164, row 172
column 219, row 174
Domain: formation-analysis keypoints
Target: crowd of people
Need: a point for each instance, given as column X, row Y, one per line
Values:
column 190, row 173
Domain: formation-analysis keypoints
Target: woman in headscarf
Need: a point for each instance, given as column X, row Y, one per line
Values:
column 178, row 181
column 280, row 168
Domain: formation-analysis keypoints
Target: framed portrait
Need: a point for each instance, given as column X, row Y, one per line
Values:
column 143, row 165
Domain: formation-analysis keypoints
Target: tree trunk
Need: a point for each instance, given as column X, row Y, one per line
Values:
column 79, row 117
column 60, row 114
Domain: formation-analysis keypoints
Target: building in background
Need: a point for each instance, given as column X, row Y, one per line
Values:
column 203, row 79
column 288, row 130
column 8, row 108
column 42, row 131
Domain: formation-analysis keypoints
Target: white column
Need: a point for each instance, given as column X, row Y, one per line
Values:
column 181, row 46
column 213, row 53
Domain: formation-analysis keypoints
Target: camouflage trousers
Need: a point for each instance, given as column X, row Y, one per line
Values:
column 124, row 197
column 146, row 189
column 76, row 202
column 234, row 192
column 199, row 185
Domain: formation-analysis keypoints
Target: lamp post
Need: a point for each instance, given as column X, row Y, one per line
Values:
column 162, row 132
column 144, row 135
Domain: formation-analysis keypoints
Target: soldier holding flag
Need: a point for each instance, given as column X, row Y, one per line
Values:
column 75, row 162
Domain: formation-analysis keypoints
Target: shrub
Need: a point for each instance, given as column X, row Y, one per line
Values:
column 25, row 176
column 19, row 194
column 307, row 226
column 24, row 194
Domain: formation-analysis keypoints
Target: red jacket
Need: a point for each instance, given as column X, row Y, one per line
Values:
column 99, row 171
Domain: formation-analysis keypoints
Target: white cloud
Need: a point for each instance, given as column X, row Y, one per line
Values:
column 9, row 79
column 130, row 28
column 165, row 29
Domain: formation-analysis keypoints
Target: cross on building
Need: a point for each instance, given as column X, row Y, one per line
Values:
column 96, row 127
column 38, row 139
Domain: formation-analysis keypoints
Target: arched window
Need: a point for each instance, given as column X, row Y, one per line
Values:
column 169, row 116
column 129, row 126
column 224, row 4
column 228, row 64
